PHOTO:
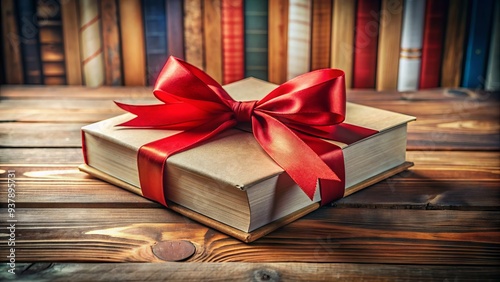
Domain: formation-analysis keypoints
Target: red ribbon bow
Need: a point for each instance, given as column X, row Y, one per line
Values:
column 286, row 123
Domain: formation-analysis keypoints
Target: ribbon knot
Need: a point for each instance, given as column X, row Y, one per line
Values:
column 243, row 110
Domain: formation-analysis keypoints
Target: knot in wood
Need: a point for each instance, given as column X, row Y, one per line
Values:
column 174, row 250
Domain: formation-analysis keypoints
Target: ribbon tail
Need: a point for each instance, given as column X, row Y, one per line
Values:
column 290, row 152
column 152, row 157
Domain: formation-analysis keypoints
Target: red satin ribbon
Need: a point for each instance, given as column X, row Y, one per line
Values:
column 286, row 123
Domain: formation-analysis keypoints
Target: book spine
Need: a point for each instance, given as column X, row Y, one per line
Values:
column 91, row 43
column 256, row 39
column 433, row 41
column 175, row 28
column 155, row 29
column 389, row 40
column 232, row 41
column 193, row 33
column 343, row 37
column 111, row 43
column 493, row 71
column 451, row 67
column 51, row 43
column 477, row 43
column 365, row 43
column 30, row 42
column 321, row 34
column 132, row 43
column 11, row 44
column 212, row 36
column 411, row 45
column 278, row 34
column 299, row 38
column 70, row 26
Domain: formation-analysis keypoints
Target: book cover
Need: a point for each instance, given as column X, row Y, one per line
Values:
column 320, row 34
column 29, row 41
column 10, row 44
column 212, row 37
column 365, row 44
column 454, row 43
column 478, row 40
column 193, row 33
column 260, row 196
column 132, row 43
column 233, row 54
column 278, row 34
column 493, row 70
column 433, row 42
column 175, row 28
column 343, row 37
column 256, row 38
column 51, row 43
column 91, row 43
column 299, row 38
column 111, row 42
column 389, row 42
column 155, row 30
column 410, row 57
column 71, row 36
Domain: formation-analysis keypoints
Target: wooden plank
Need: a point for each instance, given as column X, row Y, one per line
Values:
column 14, row 134
column 67, row 156
column 243, row 272
column 327, row 235
column 73, row 92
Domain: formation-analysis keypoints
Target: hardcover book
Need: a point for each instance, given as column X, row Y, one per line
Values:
column 233, row 54
column 228, row 182
column 299, row 38
column 29, row 41
column 155, row 29
column 256, row 39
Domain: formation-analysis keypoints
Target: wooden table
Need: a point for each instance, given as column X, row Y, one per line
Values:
column 439, row 220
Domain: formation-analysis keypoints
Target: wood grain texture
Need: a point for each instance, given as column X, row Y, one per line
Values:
column 11, row 45
column 245, row 272
column 342, row 52
column 69, row 17
column 278, row 33
column 132, row 43
column 212, row 36
column 391, row 16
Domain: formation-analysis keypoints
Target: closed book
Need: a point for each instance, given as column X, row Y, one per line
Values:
column 193, row 33
column 233, row 54
column 299, row 38
column 454, row 43
column 256, row 39
column 389, row 42
column 175, row 28
column 478, row 40
column 11, row 48
column 365, row 44
column 51, row 43
column 91, row 43
column 71, row 36
column 155, row 31
column 278, row 34
column 132, row 43
column 410, row 57
column 212, row 37
column 493, row 70
column 29, row 41
column 342, row 52
column 433, row 42
column 243, row 192
column 321, row 33
column 111, row 42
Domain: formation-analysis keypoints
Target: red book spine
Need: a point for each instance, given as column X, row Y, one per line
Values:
column 433, row 42
column 232, row 41
column 365, row 43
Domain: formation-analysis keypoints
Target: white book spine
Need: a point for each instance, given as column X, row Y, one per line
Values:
column 411, row 45
column 493, row 70
column 299, row 38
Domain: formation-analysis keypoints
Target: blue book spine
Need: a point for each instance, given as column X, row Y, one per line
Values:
column 476, row 53
column 29, row 40
column 256, row 38
column 155, row 31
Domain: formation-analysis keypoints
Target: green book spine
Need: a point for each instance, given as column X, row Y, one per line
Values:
column 256, row 38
